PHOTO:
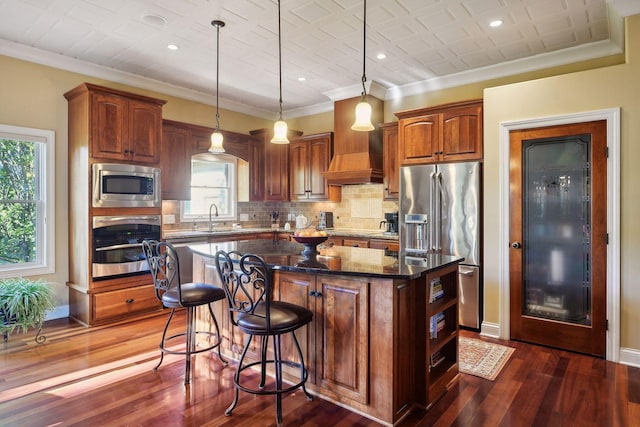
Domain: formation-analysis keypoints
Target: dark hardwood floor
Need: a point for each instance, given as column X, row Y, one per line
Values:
column 103, row 376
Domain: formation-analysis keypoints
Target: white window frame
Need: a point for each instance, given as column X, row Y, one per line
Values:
column 45, row 195
column 233, row 192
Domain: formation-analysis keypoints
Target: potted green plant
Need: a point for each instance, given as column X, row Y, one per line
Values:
column 23, row 304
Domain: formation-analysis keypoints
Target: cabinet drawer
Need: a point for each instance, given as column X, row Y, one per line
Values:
column 356, row 243
column 125, row 302
column 388, row 245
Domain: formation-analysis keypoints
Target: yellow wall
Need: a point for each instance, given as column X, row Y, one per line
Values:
column 602, row 88
column 32, row 96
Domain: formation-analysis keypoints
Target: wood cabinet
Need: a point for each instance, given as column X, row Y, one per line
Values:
column 355, row 242
column 180, row 141
column 441, row 311
column 309, row 156
column 175, row 166
column 390, row 161
column 387, row 245
column 368, row 346
column 121, row 126
column 268, row 167
column 447, row 133
column 335, row 344
column 361, row 242
column 106, row 125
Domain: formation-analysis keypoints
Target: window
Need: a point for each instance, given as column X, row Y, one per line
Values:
column 27, row 223
column 213, row 180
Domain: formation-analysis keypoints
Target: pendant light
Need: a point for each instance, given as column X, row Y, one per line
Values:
column 363, row 109
column 280, row 127
column 216, row 136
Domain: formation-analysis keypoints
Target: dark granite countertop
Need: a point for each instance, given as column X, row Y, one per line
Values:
column 338, row 260
column 204, row 234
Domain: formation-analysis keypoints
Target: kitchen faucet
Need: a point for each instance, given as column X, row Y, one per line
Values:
column 212, row 205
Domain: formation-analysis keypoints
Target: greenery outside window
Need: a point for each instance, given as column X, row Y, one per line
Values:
column 27, row 223
column 213, row 180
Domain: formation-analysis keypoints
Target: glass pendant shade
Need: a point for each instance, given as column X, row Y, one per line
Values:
column 216, row 142
column 280, row 133
column 363, row 117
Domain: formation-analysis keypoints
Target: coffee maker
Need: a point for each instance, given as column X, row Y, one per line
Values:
column 325, row 220
column 390, row 222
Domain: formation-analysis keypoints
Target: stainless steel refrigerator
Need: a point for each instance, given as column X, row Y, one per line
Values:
column 439, row 212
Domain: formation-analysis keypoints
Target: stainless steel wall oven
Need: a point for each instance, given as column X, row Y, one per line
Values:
column 117, row 244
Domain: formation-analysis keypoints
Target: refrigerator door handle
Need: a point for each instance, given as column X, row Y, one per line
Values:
column 438, row 211
column 432, row 211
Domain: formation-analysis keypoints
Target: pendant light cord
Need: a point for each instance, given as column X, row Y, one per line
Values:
column 364, row 52
column 217, row 76
column 280, row 56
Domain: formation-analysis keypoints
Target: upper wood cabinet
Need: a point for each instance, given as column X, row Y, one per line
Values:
column 309, row 156
column 269, row 167
column 121, row 126
column 446, row 133
column 175, row 163
column 390, row 161
column 182, row 140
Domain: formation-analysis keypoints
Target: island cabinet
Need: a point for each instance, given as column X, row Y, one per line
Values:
column 309, row 156
column 121, row 126
column 446, row 133
column 369, row 346
column 440, row 305
column 390, row 161
column 268, row 167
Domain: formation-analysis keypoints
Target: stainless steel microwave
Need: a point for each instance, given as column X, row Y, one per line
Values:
column 125, row 186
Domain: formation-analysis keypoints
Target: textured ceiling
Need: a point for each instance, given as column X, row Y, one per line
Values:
column 427, row 43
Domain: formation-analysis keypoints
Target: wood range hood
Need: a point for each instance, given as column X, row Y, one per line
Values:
column 357, row 156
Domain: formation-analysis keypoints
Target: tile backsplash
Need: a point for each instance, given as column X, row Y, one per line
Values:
column 362, row 207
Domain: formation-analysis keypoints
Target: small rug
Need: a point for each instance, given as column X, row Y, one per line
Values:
column 482, row 359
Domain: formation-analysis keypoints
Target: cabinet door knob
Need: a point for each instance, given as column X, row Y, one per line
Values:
column 516, row 245
column 129, row 300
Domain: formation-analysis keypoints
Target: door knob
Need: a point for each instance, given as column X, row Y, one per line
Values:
column 516, row 245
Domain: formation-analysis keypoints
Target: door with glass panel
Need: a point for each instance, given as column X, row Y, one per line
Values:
column 558, row 236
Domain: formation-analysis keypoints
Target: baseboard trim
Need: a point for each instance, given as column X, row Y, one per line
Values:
column 491, row 330
column 59, row 312
column 630, row 356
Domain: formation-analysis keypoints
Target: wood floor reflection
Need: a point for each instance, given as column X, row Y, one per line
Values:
column 102, row 376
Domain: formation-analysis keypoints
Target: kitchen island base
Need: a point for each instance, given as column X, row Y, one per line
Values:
column 369, row 347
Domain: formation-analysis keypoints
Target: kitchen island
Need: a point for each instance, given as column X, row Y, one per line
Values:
column 369, row 347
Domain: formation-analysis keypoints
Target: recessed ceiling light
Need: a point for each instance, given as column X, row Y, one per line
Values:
column 155, row 20
column 173, row 46
column 302, row 79
column 381, row 56
column 495, row 23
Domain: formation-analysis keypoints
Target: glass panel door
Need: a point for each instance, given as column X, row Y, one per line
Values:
column 556, row 229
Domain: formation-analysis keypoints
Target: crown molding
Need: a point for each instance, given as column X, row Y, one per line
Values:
column 54, row 60
column 534, row 63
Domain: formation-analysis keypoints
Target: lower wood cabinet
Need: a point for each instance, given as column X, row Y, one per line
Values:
column 368, row 346
column 124, row 302
column 114, row 300
column 335, row 344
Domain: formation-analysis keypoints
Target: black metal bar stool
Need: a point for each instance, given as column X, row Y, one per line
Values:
column 246, row 280
column 165, row 270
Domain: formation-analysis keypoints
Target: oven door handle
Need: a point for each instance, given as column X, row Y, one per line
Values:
column 114, row 247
